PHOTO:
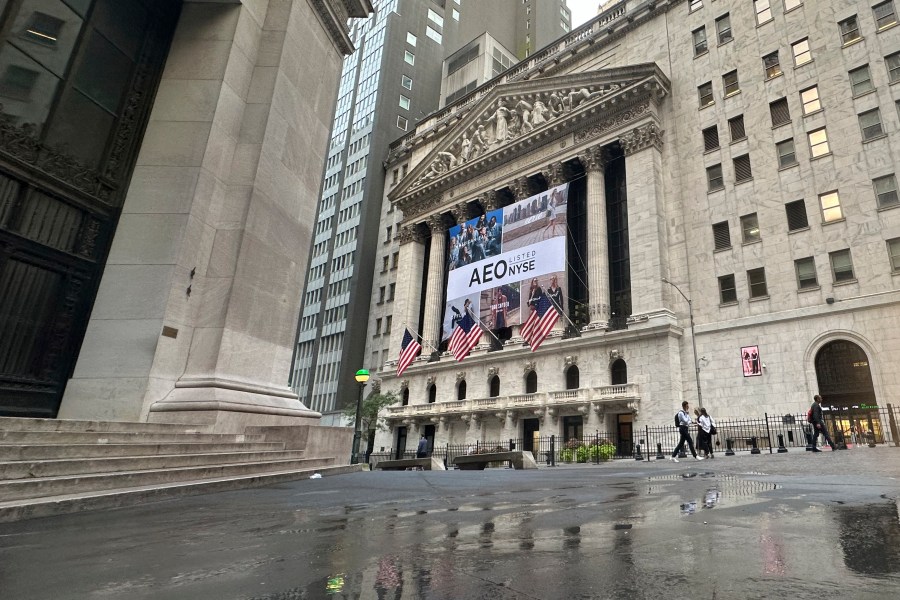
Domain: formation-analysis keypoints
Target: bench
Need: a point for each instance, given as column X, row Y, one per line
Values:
column 429, row 464
column 477, row 462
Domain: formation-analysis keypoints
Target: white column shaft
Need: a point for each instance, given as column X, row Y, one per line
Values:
column 431, row 328
column 598, row 247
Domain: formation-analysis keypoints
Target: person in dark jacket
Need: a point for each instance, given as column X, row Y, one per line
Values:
column 422, row 449
column 818, row 424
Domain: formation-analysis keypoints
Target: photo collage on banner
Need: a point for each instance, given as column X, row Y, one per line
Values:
column 500, row 264
column 750, row 361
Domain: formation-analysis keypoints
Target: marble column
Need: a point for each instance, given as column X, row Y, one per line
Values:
column 408, row 296
column 434, row 290
column 647, row 237
column 594, row 162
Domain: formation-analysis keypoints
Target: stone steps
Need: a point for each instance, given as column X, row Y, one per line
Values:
column 18, row 510
column 113, row 437
column 28, row 469
column 32, row 425
column 20, row 452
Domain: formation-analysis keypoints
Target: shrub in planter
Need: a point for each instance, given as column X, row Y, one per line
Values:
column 567, row 455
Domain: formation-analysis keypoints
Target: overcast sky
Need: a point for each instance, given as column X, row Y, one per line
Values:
column 582, row 10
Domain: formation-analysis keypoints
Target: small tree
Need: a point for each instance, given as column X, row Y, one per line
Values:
column 369, row 418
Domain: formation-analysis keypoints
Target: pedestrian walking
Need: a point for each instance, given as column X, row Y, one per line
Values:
column 422, row 450
column 817, row 419
column 705, row 428
column 684, row 423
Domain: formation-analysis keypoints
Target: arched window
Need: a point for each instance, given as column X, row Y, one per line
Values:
column 405, row 397
column 619, row 372
column 495, row 386
column 461, row 390
column 572, row 378
column 531, row 382
column 432, row 393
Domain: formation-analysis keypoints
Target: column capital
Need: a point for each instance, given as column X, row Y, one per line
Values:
column 554, row 173
column 641, row 138
column 594, row 158
column 409, row 232
column 520, row 187
column 436, row 224
column 461, row 212
column 490, row 200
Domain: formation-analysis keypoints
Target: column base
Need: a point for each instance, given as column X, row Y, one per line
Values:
column 230, row 406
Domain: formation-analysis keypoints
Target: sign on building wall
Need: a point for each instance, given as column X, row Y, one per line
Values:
column 501, row 263
column 750, row 361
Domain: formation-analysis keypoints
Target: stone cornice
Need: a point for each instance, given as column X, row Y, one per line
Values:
column 334, row 15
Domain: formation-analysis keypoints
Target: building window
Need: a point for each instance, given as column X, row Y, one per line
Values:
column 763, row 12
column 381, row 291
column 714, row 178
column 810, row 100
column 772, row 65
column 730, row 83
column 742, row 170
column 841, row 266
column 395, row 260
column 700, row 41
column 710, row 138
column 818, row 142
column 392, row 289
column 402, row 122
column 786, row 155
column 411, row 39
column 831, row 207
column 870, row 124
column 43, row 29
column 384, row 266
column 736, row 127
column 849, row 30
column 387, row 236
column 435, row 18
column 461, row 390
column 694, row 5
column 706, row 94
column 801, row 52
column 434, row 35
column 377, row 326
column 886, row 191
column 404, row 102
column 791, row 4
column 406, row 82
column 893, row 247
column 756, row 280
column 723, row 28
column 17, row 83
column 409, row 57
column 892, row 62
column 796, row 215
column 861, row 80
column 721, row 236
column 885, row 15
column 455, row 14
column 387, row 324
column 531, row 383
column 727, row 291
column 806, row 273
column 780, row 112
column 750, row 228
column 494, row 386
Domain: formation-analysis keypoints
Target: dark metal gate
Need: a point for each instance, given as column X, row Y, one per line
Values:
column 77, row 80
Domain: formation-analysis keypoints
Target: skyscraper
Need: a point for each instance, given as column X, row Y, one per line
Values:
column 392, row 81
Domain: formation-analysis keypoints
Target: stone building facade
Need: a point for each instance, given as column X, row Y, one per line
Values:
column 731, row 168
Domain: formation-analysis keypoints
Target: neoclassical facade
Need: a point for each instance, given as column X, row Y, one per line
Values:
column 635, row 115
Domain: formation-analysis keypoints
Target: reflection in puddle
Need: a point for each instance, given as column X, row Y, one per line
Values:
column 688, row 508
column 711, row 498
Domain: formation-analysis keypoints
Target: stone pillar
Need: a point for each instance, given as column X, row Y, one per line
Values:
column 408, row 296
column 434, row 290
column 647, row 237
column 594, row 162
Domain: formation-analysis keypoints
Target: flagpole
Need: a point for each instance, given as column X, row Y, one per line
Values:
column 421, row 339
column 562, row 312
column 483, row 326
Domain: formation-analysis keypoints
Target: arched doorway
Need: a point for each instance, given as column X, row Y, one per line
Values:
column 432, row 393
column 845, row 384
column 573, row 377
column 494, row 386
column 461, row 390
column 404, row 397
column 619, row 372
column 531, row 382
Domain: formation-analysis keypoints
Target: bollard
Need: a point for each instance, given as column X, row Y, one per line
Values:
column 809, row 438
column 871, row 437
column 552, row 458
column 729, row 447
column 781, row 448
column 753, row 447
column 637, row 453
column 659, row 454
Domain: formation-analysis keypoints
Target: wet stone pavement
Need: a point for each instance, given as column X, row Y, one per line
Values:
column 770, row 526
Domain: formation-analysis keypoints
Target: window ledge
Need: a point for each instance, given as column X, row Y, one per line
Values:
column 841, row 220
column 713, row 103
column 743, row 181
column 717, row 250
column 815, row 112
column 786, row 167
column 718, row 189
column 852, row 42
column 781, row 124
column 888, row 207
column 724, row 304
column 733, row 94
column 750, row 243
column 811, row 288
column 895, row 81
column 886, row 27
column 895, row 273
column 704, row 53
column 798, row 230
column 758, row 25
column 847, row 282
column 798, row 7
column 741, row 139
column 705, row 152
column 827, row 154
column 809, row 62
column 876, row 138
column 872, row 91
column 774, row 76
column 759, row 298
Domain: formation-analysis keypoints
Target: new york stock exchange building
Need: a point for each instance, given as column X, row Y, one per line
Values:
column 672, row 201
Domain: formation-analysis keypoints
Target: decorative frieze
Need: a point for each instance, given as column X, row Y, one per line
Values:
column 530, row 366
column 641, row 138
column 615, row 122
column 571, row 361
column 460, row 376
column 492, row 371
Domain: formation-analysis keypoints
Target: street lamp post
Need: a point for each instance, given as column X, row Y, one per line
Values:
column 362, row 376
column 693, row 341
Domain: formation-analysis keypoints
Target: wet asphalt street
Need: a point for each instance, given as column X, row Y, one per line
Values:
column 771, row 526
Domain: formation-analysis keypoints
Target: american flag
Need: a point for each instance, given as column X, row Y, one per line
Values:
column 409, row 350
column 540, row 322
column 465, row 336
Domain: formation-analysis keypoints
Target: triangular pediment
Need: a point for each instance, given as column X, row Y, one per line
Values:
column 522, row 112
